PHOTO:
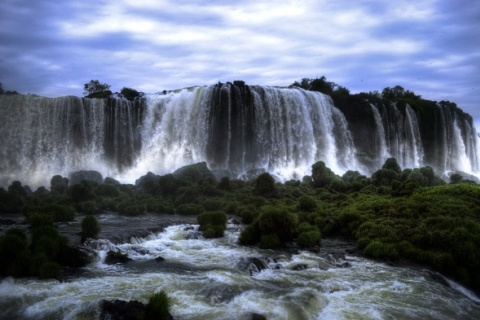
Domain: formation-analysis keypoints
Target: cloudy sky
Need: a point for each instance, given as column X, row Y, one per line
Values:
column 432, row 47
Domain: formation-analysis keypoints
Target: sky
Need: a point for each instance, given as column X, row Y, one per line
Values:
column 52, row 48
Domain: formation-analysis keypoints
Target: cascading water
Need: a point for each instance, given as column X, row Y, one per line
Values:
column 238, row 130
column 215, row 279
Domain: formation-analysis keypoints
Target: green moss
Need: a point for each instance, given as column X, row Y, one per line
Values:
column 309, row 239
column 158, row 307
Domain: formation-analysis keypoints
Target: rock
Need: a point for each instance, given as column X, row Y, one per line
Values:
column 256, row 316
column 336, row 257
column 148, row 183
column 188, row 228
column 193, row 235
column 121, row 310
column 159, row 259
column 141, row 250
column 300, row 267
column 6, row 222
column 439, row 279
column 234, row 221
column 109, row 180
column 76, row 257
column 116, row 257
column 197, row 172
column 91, row 175
column 344, row 265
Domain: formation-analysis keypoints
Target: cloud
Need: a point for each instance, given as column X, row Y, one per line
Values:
column 429, row 47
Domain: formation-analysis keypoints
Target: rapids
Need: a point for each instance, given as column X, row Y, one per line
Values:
column 213, row 279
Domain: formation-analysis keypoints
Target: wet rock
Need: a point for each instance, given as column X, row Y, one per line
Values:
column 300, row 267
column 159, row 259
column 254, row 265
column 6, row 222
column 91, row 175
column 141, row 250
column 337, row 257
column 116, row 257
column 188, row 228
column 344, row 265
column 234, row 221
column 256, row 316
column 121, row 310
column 193, row 235
column 439, row 279
column 76, row 257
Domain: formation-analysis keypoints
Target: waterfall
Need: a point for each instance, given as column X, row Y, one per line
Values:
column 238, row 130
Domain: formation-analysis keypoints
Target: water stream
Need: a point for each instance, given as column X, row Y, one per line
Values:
column 215, row 279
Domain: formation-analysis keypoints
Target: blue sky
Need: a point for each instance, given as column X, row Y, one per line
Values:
column 431, row 47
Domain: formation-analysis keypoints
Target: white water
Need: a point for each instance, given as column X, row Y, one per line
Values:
column 207, row 279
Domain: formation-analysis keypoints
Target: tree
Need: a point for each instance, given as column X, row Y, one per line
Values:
column 95, row 89
column 1, row 89
column 129, row 93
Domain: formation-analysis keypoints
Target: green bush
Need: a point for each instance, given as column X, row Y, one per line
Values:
column 279, row 221
column 190, row 209
column 392, row 164
column 12, row 243
column 269, row 241
column 212, row 223
column 322, row 175
column 50, row 270
column 89, row 207
column 158, row 307
column 224, row 184
column 90, row 227
column 250, row 235
column 80, row 193
column 10, row 202
column 40, row 219
column 106, row 190
column 309, row 239
column 306, row 203
column 129, row 207
column 212, row 204
column 265, row 184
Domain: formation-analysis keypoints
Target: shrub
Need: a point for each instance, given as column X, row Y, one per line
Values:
column 39, row 219
column 265, row 184
column 190, row 209
column 224, row 184
column 158, row 306
column 89, row 207
column 213, row 223
column 58, row 184
column 392, row 164
column 309, row 239
column 250, row 235
column 321, row 175
column 106, row 190
column 279, row 221
column 50, row 270
column 269, row 241
column 306, row 203
column 10, row 202
column 80, row 193
column 12, row 243
column 90, row 227
column 129, row 207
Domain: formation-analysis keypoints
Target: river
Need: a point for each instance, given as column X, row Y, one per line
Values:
column 217, row 279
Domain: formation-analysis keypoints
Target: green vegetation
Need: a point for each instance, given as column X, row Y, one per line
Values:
column 90, row 227
column 397, row 213
column 95, row 89
column 158, row 306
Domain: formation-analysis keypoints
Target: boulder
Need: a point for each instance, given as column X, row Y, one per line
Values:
column 121, row 310
column 256, row 316
column 159, row 259
column 6, row 222
column 91, row 175
column 300, row 267
column 116, row 257
column 196, row 172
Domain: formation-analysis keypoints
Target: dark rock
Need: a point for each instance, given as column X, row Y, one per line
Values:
column 234, row 221
column 439, row 279
column 109, row 180
column 256, row 316
column 344, row 265
column 254, row 265
column 159, row 259
column 76, row 257
column 148, row 183
column 6, row 222
column 193, row 235
column 300, row 267
column 197, row 172
column 90, row 175
column 188, row 228
column 121, row 310
column 336, row 257
column 141, row 250
column 116, row 257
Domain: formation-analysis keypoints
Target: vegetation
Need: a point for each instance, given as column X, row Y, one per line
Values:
column 90, row 227
column 95, row 89
column 158, row 306
column 396, row 213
